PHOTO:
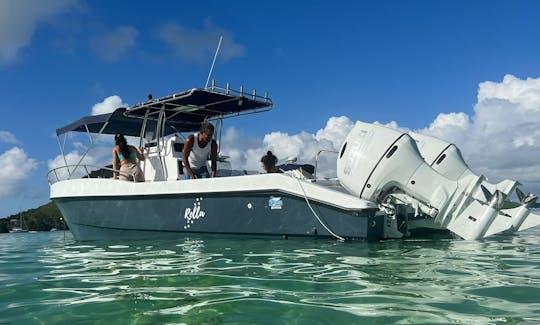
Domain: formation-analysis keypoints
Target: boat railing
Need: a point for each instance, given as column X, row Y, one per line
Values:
column 317, row 159
column 227, row 90
column 63, row 173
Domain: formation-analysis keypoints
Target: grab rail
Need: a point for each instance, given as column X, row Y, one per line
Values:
column 227, row 90
column 70, row 176
column 317, row 159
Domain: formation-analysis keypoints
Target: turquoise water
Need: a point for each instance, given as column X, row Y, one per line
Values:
column 46, row 279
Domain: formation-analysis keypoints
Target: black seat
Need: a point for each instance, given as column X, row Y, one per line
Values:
column 305, row 167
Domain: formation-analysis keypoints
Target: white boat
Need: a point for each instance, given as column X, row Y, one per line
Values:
column 166, row 205
column 20, row 228
column 384, row 188
column 17, row 230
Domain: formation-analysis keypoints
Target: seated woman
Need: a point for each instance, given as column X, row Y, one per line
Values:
column 269, row 162
column 127, row 156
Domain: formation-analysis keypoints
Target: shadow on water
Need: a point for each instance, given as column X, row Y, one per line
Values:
column 254, row 281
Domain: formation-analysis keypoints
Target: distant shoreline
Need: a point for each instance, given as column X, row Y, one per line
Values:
column 42, row 218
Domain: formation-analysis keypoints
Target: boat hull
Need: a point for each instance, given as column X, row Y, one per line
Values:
column 16, row 231
column 251, row 213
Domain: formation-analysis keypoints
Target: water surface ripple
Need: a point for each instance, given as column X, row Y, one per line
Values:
column 46, row 279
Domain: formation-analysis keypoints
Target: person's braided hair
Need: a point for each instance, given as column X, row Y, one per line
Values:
column 121, row 142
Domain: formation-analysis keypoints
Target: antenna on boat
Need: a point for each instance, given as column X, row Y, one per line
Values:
column 213, row 62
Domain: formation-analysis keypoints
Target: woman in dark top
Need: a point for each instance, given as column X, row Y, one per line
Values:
column 269, row 162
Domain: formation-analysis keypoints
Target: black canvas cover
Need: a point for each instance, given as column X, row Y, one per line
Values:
column 197, row 104
column 117, row 122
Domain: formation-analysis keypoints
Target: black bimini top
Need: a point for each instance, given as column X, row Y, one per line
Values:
column 183, row 112
column 117, row 122
column 196, row 105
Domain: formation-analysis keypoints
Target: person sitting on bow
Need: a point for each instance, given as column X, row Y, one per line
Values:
column 269, row 162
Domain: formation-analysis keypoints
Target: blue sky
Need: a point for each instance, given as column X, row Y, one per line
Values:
column 402, row 61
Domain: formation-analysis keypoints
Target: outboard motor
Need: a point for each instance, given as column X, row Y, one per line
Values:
column 384, row 165
column 446, row 159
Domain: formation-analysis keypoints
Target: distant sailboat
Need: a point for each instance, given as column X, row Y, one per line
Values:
column 20, row 228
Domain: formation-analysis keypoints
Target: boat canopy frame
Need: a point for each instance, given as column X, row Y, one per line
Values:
column 176, row 113
column 197, row 105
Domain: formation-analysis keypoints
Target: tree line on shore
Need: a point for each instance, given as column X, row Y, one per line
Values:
column 43, row 218
column 47, row 216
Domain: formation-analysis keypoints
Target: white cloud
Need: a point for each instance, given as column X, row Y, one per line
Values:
column 239, row 148
column 335, row 131
column 502, row 138
column 108, row 105
column 198, row 45
column 246, row 152
column 448, row 126
column 115, row 44
column 19, row 19
column 97, row 157
column 15, row 168
column 8, row 137
column 72, row 159
column 525, row 93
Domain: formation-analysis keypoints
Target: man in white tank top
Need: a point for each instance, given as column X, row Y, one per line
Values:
column 197, row 148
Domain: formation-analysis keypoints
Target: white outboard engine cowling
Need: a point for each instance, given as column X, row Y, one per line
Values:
column 447, row 160
column 442, row 156
column 378, row 164
column 375, row 160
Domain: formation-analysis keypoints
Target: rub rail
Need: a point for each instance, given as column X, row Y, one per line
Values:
column 53, row 174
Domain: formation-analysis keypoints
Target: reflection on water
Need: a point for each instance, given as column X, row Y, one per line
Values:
column 45, row 279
